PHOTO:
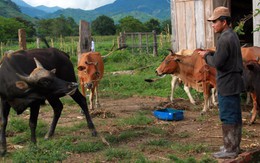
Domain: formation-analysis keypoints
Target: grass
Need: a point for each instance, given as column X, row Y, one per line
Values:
column 135, row 120
column 140, row 125
column 115, row 154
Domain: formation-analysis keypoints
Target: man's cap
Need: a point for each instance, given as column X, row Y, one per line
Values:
column 218, row 12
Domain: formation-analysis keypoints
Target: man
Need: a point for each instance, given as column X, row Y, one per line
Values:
column 227, row 60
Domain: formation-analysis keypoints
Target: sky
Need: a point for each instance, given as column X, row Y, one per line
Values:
column 82, row 4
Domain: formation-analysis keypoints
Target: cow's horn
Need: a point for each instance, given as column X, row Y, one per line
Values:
column 38, row 64
column 24, row 78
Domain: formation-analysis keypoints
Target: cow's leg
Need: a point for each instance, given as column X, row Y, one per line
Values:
column 91, row 98
column 35, row 107
column 187, row 90
column 248, row 98
column 214, row 96
column 173, row 85
column 57, row 107
column 254, row 110
column 96, row 97
column 81, row 100
column 82, row 88
column 206, row 94
column 4, row 112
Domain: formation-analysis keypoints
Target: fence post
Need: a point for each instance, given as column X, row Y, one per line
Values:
column 140, row 41
column 155, row 51
column 38, row 42
column 1, row 48
column 147, row 44
column 84, row 38
column 22, row 39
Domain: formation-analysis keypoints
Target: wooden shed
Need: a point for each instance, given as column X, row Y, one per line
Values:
column 191, row 30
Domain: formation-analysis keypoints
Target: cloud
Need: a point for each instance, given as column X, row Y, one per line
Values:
column 82, row 4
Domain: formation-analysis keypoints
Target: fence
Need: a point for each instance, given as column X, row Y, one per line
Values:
column 140, row 40
column 69, row 44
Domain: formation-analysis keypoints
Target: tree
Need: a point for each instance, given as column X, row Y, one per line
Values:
column 57, row 26
column 29, row 27
column 130, row 24
column 9, row 28
column 153, row 24
column 103, row 25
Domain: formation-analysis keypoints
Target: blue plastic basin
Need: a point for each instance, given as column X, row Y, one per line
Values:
column 169, row 114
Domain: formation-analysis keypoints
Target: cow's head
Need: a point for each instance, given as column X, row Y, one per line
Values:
column 251, row 75
column 89, row 73
column 45, row 82
column 169, row 64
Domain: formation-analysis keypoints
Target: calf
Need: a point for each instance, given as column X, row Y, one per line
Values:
column 90, row 72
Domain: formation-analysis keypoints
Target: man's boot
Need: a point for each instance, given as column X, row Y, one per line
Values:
column 239, row 135
column 231, row 139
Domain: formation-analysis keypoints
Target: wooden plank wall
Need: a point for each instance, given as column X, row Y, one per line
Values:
column 209, row 33
column 256, row 21
column 190, row 27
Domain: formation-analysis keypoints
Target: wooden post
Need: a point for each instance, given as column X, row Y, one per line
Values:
column 52, row 42
column 133, row 43
column 155, row 52
column 120, row 40
column 1, row 49
column 84, row 38
column 123, row 42
column 140, row 41
column 22, row 39
column 38, row 42
column 147, row 44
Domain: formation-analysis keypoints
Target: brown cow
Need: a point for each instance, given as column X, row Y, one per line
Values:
column 193, row 71
column 90, row 72
column 251, row 54
column 176, row 80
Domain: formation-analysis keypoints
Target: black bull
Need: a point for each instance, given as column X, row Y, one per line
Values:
column 20, row 95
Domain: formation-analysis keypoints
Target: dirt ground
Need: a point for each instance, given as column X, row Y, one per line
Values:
column 204, row 129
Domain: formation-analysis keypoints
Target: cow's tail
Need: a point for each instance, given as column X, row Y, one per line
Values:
column 113, row 50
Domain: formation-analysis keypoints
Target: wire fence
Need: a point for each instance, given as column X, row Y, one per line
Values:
column 69, row 44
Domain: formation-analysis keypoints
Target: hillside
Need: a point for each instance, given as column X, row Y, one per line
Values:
column 38, row 11
column 143, row 10
column 155, row 8
column 10, row 10
column 140, row 9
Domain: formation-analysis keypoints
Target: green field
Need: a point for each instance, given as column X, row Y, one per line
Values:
column 142, row 66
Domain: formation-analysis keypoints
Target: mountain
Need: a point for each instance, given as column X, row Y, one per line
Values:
column 9, row 9
column 143, row 10
column 38, row 11
column 48, row 9
column 155, row 8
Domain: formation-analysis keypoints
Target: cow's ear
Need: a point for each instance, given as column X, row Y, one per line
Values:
column 53, row 70
column 21, row 85
column 81, row 68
